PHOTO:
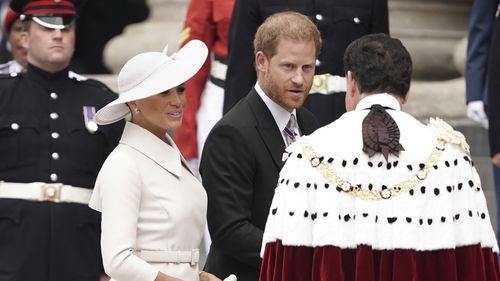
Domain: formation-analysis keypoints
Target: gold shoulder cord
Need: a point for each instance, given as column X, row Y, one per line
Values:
column 367, row 194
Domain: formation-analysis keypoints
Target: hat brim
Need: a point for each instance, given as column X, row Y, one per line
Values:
column 184, row 65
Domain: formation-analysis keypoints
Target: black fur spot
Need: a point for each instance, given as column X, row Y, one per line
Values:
column 409, row 167
column 355, row 161
column 291, row 213
column 365, row 215
column 330, row 160
column 408, row 219
column 429, row 221
column 327, row 185
column 370, row 164
column 436, row 191
column 296, row 185
column 392, row 219
column 306, row 214
column 299, row 156
column 274, row 211
column 325, row 214
column 422, row 189
column 344, row 163
column 443, row 219
column 347, row 218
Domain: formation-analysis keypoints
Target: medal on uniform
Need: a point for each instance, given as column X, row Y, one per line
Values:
column 88, row 116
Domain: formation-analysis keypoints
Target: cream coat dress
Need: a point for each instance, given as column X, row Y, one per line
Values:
column 149, row 201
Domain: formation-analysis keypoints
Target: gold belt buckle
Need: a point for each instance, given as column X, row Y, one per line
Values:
column 319, row 84
column 51, row 192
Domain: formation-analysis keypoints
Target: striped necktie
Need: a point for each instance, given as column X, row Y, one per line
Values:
column 290, row 130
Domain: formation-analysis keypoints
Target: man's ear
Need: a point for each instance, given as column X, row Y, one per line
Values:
column 23, row 39
column 352, row 87
column 261, row 61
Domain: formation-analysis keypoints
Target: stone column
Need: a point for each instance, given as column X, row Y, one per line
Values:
column 163, row 26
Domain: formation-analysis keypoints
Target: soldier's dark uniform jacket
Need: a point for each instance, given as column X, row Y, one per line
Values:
column 339, row 21
column 45, row 137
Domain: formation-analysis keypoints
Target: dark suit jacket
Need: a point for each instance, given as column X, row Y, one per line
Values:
column 339, row 21
column 480, row 28
column 240, row 166
column 494, row 90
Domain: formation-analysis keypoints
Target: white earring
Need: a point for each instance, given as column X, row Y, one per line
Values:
column 137, row 110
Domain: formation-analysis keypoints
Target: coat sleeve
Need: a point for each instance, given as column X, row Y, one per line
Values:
column 494, row 90
column 199, row 25
column 118, row 190
column 480, row 29
column 227, row 168
column 241, row 74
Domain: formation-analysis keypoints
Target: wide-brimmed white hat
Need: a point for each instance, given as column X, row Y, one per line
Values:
column 151, row 73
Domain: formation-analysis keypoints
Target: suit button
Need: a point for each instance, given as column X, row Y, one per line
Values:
column 53, row 96
column 356, row 20
column 319, row 16
column 55, row 156
column 53, row 177
column 54, row 116
column 14, row 126
column 54, row 135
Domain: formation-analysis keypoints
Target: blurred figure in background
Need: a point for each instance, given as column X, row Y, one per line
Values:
column 12, row 28
column 208, row 21
column 480, row 54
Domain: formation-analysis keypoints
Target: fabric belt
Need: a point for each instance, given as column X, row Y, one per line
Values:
column 327, row 84
column 40, row 191
column 218, row 70
column 191, row 257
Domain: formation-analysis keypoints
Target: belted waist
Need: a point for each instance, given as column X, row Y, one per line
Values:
column 327, row 84
column 191, row 257
column 40, row 191
column 218, row 70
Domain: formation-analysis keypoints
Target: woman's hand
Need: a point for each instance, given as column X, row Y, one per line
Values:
column 205, row 276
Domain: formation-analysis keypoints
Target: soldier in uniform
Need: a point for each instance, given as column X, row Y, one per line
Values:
column 208, row 21
column 13, row 27
column 339, row 21
column 51, row 152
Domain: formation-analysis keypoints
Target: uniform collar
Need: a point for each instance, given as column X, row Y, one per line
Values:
column 165, row 155
column 41, row 74
column 383, row 99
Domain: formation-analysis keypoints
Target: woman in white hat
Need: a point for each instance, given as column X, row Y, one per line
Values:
column 153, row 208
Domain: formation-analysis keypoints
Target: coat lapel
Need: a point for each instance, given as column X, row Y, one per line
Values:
column 267, row 128
column 168, row 157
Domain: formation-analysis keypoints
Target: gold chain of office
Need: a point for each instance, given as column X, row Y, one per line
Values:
column 369, row 194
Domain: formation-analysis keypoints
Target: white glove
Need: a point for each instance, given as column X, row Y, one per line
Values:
column 230, row 278
column 475, row 111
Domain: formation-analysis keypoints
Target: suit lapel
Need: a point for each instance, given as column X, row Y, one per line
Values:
column 307, row 125
column 267, row 128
